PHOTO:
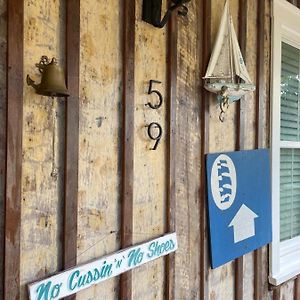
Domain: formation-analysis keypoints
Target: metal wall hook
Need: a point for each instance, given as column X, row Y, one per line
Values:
column 152, row 11
column 224, row 102
column 224, row 105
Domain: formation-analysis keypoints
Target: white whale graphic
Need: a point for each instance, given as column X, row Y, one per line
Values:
column 223, row 182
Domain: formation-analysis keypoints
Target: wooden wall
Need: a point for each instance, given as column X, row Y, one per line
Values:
column 77, row 202
column 3, row 50
column 43, row 148
column 100, row 136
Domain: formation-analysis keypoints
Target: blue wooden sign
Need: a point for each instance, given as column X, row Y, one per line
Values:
column 239, row 203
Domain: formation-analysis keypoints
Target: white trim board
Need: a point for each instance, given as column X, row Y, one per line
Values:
column 284, row 256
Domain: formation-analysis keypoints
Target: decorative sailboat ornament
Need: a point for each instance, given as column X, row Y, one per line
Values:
column 226, row 73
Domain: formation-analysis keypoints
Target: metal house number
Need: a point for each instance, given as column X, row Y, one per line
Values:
column 154, row 129
column 151, row 91
column 156, row 137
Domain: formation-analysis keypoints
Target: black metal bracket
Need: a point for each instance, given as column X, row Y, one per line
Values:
column 152, row 11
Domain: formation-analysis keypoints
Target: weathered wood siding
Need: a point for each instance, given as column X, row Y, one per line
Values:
column 128, row 193
column 221, row 138
column 43, row 147
column 100, row 141
column 187, row 147
column 3, row 50
column 149, row 196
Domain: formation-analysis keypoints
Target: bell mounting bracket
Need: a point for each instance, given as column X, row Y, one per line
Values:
column 152, row 11
column 45, row 61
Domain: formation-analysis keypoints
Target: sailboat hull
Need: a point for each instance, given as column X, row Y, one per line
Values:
column 234, row 91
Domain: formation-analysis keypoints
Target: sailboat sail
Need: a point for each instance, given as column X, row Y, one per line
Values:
column 227, row 64
column 221, row 51
column 239, row 64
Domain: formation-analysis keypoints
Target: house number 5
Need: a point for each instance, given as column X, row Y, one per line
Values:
column 159, row 95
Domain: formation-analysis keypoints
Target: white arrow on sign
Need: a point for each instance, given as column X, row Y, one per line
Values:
column 243, row 224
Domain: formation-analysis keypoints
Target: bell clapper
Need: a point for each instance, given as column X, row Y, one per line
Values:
column 54, row 171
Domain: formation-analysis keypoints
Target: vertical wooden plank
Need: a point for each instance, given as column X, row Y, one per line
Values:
column 239, row 282
column 276, row 293
column 3, row 91
column 72, row 134
column 150, row 166
column 266, row 124
column 297, row 289
column 242, row 32
column 100, row 133
column 287, row 290
column 128, row 139
column 187, row 127
column 221, row 280
column 239, row 263
column 260, row 113
column 260, row 80
column 258, row 278
column 15, row 32
column 204, row 114
column 171, row 157
column 43, row 147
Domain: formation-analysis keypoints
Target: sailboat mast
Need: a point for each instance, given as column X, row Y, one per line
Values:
column 230, row 46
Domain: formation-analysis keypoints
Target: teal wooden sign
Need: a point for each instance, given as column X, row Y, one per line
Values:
column 82, row 277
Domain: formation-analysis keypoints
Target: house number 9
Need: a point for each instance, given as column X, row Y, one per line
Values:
column 157, row 130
